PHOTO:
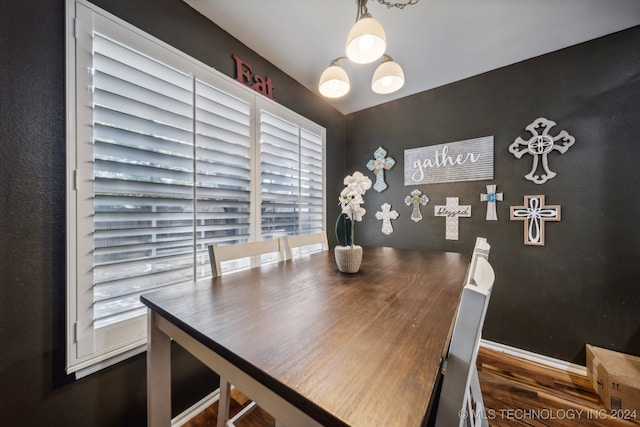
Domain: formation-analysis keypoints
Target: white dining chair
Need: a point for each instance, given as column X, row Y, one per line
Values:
column 220, row 253
column 305, row 240
column 460, row 402
column 217, row 255
column 480, row 250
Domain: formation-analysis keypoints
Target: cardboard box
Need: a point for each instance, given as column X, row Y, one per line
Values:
column 616, row 378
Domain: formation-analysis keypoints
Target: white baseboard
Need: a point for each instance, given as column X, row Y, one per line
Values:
column 535, row 357
column 185, row 416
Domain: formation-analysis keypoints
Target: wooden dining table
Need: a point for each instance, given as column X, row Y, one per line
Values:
column 314, row 346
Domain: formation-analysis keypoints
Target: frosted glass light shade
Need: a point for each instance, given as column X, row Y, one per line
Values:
column 387, row 78
column 366, row 41
column 334, row 82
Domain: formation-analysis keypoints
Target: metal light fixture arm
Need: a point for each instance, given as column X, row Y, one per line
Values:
column 335, row 61
column 362, row 9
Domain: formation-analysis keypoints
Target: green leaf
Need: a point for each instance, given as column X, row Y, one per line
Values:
column 343, row 230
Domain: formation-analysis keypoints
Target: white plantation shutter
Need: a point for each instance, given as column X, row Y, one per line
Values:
column 164, row 157
column 312, row 159
column 131, row 176
column 142, row 179
column 291, row 174
column 223, row 183
column 279, row 176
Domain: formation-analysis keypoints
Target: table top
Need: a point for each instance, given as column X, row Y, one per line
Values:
column 358, row 349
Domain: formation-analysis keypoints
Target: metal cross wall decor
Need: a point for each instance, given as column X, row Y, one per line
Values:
column 534, row 213
column 378, row 165
column 416, row 199
column 386, row 215
column 491, row 198
column 539, row 146
column 452, row 211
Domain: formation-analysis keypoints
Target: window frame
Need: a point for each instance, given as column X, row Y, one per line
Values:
column 88, row 349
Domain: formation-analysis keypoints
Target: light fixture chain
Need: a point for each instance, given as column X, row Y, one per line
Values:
column 398, row 5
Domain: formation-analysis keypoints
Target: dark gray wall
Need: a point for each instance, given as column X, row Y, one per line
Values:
column 34, row 390
column 582, row 286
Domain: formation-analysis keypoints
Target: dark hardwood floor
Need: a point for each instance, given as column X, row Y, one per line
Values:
column 516, row 392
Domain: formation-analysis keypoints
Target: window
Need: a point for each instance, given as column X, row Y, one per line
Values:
column 166, row 156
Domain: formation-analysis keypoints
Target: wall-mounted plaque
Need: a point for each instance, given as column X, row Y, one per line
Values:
column 539, row 146
column 535, row 213
column 386, row 215
column 468, row 160
column 452, row 211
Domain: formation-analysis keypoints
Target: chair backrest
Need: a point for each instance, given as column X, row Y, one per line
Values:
column 455, row 395
column 305, row 240
column 481, row 250
column 220, row 253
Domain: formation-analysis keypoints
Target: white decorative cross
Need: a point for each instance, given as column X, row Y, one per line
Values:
column 452, row 211
column 534, row 213
column 540, row 145
column 491, row 197
column 386, row 215
column 416, row 199
column 378, row 166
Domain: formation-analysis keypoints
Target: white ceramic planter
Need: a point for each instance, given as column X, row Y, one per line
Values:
column 348, row 258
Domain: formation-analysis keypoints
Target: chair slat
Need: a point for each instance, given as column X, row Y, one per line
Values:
column 481, row 249
column 221, row 253
column 305, row 240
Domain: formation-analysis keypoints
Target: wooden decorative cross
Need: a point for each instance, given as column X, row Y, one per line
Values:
column 416, row 199
column 386, row 215
column 491, row 198
column 534, row 213
column 378, row 165
column 452, row 211
column 539, row 146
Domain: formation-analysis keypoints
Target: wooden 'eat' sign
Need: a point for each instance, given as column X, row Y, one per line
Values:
column 245, row 75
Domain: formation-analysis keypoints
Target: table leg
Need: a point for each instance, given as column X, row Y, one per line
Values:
column 223, row 402
column 158, row 375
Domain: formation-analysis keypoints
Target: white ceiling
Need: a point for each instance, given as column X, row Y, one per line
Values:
column 435, row 41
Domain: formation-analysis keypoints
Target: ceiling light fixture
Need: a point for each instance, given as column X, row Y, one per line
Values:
column 388, row 77
column 334, row 81
column 366, row 43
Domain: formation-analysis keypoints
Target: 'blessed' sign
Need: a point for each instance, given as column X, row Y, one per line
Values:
column 469, row 160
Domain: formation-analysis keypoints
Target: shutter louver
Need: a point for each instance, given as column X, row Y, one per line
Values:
column 143, row 179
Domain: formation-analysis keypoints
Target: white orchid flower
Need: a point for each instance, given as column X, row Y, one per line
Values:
column 358, row 213
column 351, row 198
column 358, row 182
column 354, row 211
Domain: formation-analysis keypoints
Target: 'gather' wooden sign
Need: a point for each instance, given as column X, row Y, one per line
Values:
column 468, row 160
